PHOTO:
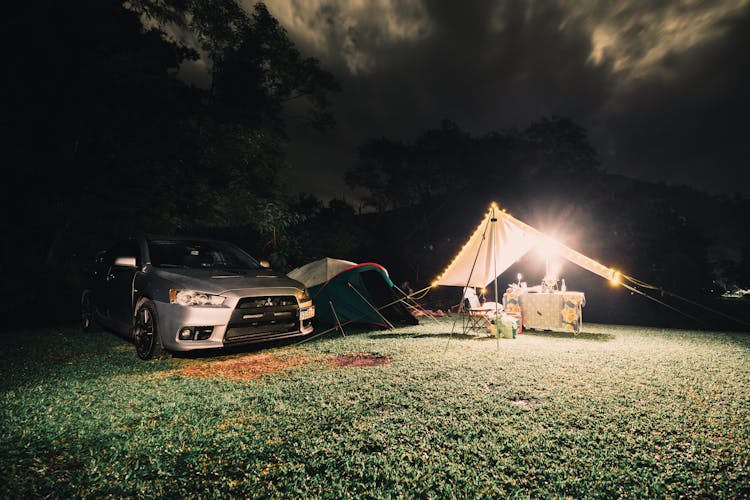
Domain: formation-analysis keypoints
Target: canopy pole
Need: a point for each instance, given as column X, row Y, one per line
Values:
column 494, row 262
column 461, row 308
column 371, row 306
column 338, row 322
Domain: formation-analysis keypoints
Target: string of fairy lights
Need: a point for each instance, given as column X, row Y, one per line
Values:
column 490, row 212
column 615, row 277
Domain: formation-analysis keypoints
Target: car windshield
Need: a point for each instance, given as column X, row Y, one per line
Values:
column 198, row 254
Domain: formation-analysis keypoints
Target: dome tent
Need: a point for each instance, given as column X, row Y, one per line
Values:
column 352, row 290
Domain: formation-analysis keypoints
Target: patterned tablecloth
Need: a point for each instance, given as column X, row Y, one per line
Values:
column 559, row 311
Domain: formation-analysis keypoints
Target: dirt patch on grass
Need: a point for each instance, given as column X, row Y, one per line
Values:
column 252, row 366
column 524, row 403
column 245, row 367
column 360, row 359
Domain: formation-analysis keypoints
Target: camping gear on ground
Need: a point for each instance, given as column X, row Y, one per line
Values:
column 509, row 325
column 347, row 292
column 498, row 242
column 492, row 327
column 519, row 320
column 480, row 317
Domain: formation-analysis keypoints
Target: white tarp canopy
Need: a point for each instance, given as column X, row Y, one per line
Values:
column 319, row 271
column 493, row 248
column 498, row 242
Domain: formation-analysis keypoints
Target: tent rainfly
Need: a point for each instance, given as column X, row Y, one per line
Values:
column 344, row 291
column 498, row 242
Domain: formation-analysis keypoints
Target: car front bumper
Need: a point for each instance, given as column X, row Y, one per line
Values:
column 174, row 317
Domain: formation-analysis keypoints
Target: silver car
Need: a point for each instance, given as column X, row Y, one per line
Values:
column 182, row 294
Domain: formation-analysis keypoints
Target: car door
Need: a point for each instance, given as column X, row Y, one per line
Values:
column 97, row 281
column 118, row 283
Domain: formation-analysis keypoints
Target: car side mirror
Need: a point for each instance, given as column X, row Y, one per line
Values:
column 125, row 262
column 264, row 264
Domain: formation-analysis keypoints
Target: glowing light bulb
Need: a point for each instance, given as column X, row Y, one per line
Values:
column 615, row 280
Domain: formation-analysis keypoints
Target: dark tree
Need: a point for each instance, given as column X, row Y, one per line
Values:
column 384, row 171
column 255, row 68
column 559, row 146
column 92, row 109
column 445, row 161
column 328, row 230
column 108, row 140
column 396, row 174
column 743, row 268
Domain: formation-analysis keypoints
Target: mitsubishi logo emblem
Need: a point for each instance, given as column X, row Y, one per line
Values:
column 269, row 302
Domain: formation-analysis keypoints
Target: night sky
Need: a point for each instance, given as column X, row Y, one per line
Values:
column 660, row 86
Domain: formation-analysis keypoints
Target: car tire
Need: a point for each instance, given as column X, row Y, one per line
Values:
column 146, row 331
column 87, row 312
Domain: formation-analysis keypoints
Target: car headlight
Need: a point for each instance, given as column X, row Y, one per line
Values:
column 305, row 296
column 193, row 298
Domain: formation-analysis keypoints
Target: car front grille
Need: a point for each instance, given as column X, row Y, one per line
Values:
column 263, row 318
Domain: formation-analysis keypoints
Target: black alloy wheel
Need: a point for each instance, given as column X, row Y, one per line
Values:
column 145, row 333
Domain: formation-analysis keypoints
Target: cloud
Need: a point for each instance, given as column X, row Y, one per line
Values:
column 354, row 31
column 687, row 122
column 655, row 82
column 636, row 37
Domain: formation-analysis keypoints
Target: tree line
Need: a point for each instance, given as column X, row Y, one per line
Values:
column 109, row 136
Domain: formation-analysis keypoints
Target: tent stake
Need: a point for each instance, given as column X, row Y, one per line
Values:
column 371, row 306
column 338, row 323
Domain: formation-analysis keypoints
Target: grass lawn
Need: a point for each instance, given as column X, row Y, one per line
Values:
column 615, row 411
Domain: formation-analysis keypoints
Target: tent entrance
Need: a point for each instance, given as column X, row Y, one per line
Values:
column 382, row 294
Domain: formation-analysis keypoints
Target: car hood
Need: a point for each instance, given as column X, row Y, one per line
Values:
column 221, row 280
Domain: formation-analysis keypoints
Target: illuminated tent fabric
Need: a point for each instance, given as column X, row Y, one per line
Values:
column 349, row 287
column 498, row 242
column 319, row 271
column 493, row 248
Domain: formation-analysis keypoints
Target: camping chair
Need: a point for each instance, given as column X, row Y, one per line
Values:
column 479, row 316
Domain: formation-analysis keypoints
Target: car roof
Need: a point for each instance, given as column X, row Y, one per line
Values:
column 151, row 237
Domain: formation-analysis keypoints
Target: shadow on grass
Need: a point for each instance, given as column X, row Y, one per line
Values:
column 208, row 353
column 458, row 336
column 238, row 349
column 597, row 337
